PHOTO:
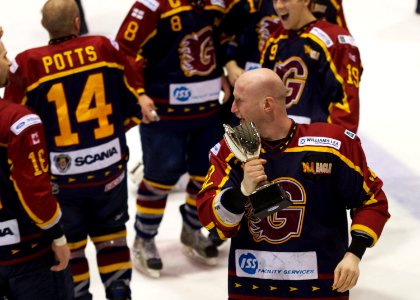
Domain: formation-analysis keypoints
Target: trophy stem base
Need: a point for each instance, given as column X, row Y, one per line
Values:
column 269, row 199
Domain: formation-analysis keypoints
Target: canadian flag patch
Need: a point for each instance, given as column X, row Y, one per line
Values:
column 35, row 138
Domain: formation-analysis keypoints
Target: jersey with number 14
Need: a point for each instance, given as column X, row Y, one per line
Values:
column 321, row 67
column 84, row 91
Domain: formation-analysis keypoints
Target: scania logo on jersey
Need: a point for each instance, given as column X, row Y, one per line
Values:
column 62, row 162
column 9, row 232
column 182, row 94
column 87, row 159
column 5, row 231
column 92, row 158
column 248, row 263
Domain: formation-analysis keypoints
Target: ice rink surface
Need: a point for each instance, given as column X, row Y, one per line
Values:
column 388, row 35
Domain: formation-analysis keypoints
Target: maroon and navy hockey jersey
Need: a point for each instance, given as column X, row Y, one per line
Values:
column 246, row 29
column 292, row 254
column 26, row 210
column 84, row 90
column 321, row 67
column 174, row 46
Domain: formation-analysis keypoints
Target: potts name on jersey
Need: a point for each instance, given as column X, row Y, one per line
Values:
column 86, row 160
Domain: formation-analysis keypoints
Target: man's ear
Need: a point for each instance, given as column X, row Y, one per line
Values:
column 268, row 103
column 42, row 23
column 76, row 25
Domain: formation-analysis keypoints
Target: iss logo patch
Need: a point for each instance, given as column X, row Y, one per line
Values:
column 62, row 162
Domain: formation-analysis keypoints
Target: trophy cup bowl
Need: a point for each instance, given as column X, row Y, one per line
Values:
column 245, row 143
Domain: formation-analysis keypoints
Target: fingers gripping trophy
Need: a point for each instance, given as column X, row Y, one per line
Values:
column 245, row 143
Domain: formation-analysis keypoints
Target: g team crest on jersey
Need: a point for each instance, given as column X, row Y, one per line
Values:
column 265, row 29
column 283, row 225
column 197, row 54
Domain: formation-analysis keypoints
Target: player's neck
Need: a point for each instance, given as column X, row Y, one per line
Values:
column 61, row 39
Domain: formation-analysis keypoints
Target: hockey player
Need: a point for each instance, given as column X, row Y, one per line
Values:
column 318, row 62
column 246, row 28
column 34, row 254
column 302, row 251
column 248, row 25
column 84, row 90
column 173, row 44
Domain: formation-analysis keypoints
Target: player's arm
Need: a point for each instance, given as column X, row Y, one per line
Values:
column 220, row 203
column 362, row 191
column 139, row 26
column 347, row 70
column 28, row 160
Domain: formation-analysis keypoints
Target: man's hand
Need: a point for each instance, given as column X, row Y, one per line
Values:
column 148, row 109
column 226, row 90
column 233, row 71
column 62, row 255
column 253, row 175
column 346, row 273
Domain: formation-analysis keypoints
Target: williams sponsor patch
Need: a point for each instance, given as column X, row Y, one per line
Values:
column 319, row 141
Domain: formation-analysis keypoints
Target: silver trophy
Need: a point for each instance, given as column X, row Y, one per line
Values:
column 245, row 143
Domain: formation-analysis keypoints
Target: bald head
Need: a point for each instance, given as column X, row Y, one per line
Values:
column 59, row 18
column 260, row 97
column 261, row 83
